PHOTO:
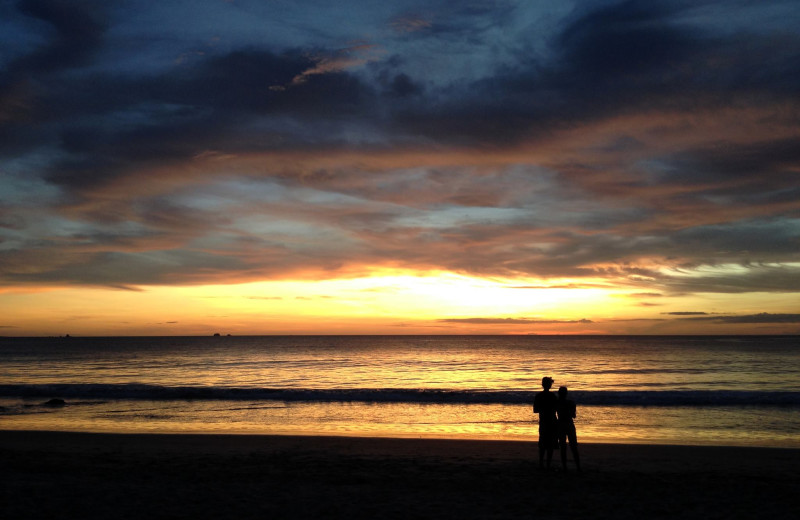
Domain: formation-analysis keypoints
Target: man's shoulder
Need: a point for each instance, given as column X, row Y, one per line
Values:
column 545, row 396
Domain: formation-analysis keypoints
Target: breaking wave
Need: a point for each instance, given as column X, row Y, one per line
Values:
column 399, row 395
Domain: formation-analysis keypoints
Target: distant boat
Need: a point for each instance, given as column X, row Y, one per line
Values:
column 216, row 334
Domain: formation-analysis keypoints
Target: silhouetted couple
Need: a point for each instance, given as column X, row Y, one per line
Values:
column 556, row 425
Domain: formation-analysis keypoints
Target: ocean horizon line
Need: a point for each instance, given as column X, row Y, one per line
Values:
column 231, row 335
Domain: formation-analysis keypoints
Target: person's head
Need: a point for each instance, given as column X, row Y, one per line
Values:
column 562, row 392
column 547, row 382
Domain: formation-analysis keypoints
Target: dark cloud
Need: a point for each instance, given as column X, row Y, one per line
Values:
column 762, row 166
column 763, row 317
column 402, row 86
column 254, row 81
column 213, row 102
column 76, row 33
column 646, row 52
column 111, row 125
column 617, row 59
column 626, row 42
column 72, row 34
column 776, row 239
column 741, row 278
column 638, row 319
column 121, row 270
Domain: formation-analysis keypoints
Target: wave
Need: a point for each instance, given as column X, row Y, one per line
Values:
column 400, row 395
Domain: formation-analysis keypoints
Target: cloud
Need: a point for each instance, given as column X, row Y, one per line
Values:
column 737, row 278
column 564, row 286
column 410, row 24
column 77, row 31
column 763, row 317
column 637, row 319
column 511, row 321
column 67, row 37
column 337, row 61
column 632, row 144
column 625, row 57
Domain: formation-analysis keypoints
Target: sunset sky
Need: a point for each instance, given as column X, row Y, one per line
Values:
column 405, row 167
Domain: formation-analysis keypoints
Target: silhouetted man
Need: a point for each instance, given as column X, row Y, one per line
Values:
column 566, row 428
column 545, row 405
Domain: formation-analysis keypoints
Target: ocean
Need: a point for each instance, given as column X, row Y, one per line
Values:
column 699, row 390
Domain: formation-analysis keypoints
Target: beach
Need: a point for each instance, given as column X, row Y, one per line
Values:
column 95, row 475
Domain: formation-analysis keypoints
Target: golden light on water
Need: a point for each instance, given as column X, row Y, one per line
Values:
column 476, row 421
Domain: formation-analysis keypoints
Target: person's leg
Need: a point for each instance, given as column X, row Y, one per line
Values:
column 573, row 446
column 541, row 455
column 542, row 444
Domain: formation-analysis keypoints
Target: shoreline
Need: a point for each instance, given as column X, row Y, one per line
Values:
column 101, row 475
column 370, row 436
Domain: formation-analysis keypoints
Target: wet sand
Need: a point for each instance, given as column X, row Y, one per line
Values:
column 75, row 475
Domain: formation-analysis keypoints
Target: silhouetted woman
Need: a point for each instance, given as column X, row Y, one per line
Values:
column 566, row 428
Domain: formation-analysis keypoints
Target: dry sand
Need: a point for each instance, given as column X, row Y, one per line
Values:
column 75, row 475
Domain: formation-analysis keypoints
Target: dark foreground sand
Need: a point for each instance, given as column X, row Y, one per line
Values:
column 71, row 475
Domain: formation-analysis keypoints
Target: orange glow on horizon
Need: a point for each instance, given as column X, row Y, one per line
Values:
column 388, row 302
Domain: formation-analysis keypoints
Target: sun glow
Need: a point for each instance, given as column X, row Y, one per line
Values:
column 388, row 301
column 395, row 294
column 385, row 302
